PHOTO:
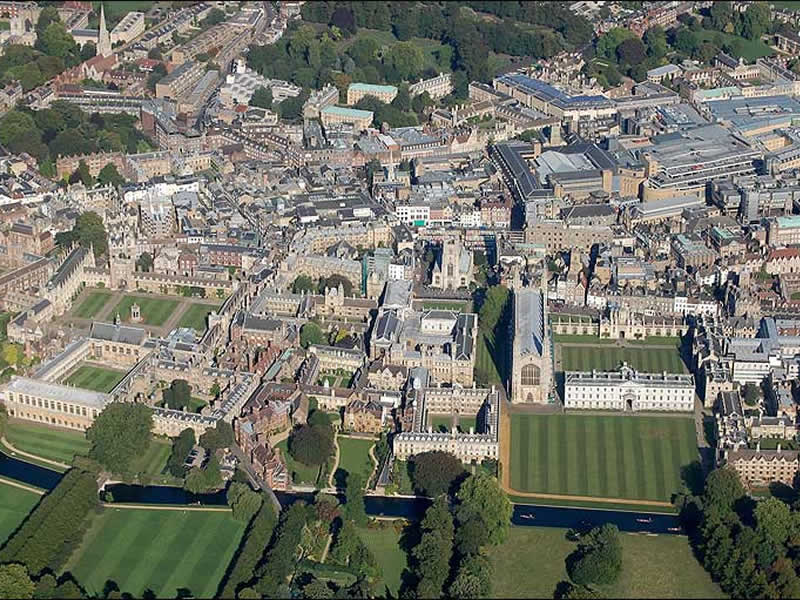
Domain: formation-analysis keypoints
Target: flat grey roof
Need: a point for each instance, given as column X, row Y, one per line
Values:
column 58, row 392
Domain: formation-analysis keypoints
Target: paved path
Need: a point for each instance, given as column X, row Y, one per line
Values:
column 22, row 486
column 35, row 457
column 335, row 462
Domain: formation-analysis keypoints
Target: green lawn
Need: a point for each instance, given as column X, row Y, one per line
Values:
column 195, row 316
column 490, row 363
column 159, row 550
column 634, row 457
column 445, row 422
column 155, row 311
column 354, row 458
column 54, row 444
column 92, row 304
column 530, row 564
column 586, row 358
column 153, row 461
column 750, row 49
column 459, row 306
column 385, row 547
column 99, row 379
column 301, row 474
column 15, row 504
column 787, row 4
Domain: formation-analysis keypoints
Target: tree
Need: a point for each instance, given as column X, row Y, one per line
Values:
column 56, row 41
column 685, row 41
column 721, row 15
column 608, row 42
column 89, row 231
column 343, row 18
column 120, row 433
column 156, row 75
column 471, row 535
column 403, row 100
column 311, row 444
column 655, row 41
column 311, row 334
column 82, row 174
column 473, row 578
column 774, row 519
column 177, row 395
column 16, row 123
column 755, row 20
column 354, row 500
column 480, row 495
column 88, row 50
column 334, row 281
column 578, row 592
column 221, row 436
column 181, row 446
column 435, row 472
column 751, row 395
column 631, row 52
column 203, row 480
column 244, row 502
column 145, row 262
column 109, row 175
column 15, row 582
column 723, row 489
column 49, row 14
column 303, row 283
column 403, row 61
column 262, row 98
column 432, row 553
column 155, row 53
column 598, row 559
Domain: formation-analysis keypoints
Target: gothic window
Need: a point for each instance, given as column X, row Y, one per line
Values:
column 530, row 375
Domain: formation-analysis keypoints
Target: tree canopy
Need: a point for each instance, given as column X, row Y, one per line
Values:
column 311, row 444
column 177, row 395
column 480, row 496
column 598, row 559
column 119, row 434
column 435, row 472
column 311, row 334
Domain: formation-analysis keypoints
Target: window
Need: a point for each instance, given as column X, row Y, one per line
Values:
column 530, row 375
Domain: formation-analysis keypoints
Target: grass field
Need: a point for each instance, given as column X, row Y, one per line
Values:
column 15, row 504
column 489, row 361
column 383, row 543
column 750, row 49
column 153, row 461
column 92, row 305
column 195, row 316
column 54, row 444
column 638, row 458
column 445, row 423
column 301, row 473
column 530, row 564
column 586, row 358
column 354, row 458
column 155, row 311
column 162, row 551
column 94, row 378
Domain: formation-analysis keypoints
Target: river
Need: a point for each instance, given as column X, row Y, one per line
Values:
column 376, row 506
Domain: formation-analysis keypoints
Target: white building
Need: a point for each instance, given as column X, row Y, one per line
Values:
column 131, row 27
column 240, row 86
column 628, row 390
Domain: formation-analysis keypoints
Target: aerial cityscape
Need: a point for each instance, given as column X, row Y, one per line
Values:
column 406, row 299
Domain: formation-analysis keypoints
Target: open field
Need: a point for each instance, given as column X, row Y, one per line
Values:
column 155, row 311
column 54, row 444
column 162, row 551
column 92, row 304
column 650, row 360
column 99, row 379
column 195, row 316
column 638, row 458
column 384, row 545
column 530, row 564
column 354, row 458
column 15, row 504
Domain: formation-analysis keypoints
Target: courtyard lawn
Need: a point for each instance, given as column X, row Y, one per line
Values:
column 54, row 444
column 92, row 304
column 354, row 458
column 301, row 474
column 632, row 457
column 164, row 551
column 650, row 360
column 98, row 379
column 531, row 563
column 446, row 422
column 15, row 504
column 385, row 547
column 464, row 306
column 155, row 311
column 195, row 316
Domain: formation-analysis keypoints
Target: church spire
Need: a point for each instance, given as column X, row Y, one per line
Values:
column 103, row 38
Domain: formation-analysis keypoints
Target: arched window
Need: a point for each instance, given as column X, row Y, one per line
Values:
column 530, row 375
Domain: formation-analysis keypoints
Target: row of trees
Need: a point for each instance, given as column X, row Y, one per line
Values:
column 88, row 232
column 16, row 582
column 449, row 559
column 65, row 130
column 181, row 446
column 749, row 547
column 55, row 527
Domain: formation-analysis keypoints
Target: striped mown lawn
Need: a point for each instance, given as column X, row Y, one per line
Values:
column 15, row 504
column 155, row 311
column 153, row 461
column 354, row 457
column 92, row 305
column 195, row 316
column 603, row 358
column 55, row 444
column 99, row 379
column 603, row 456
column 158, row 550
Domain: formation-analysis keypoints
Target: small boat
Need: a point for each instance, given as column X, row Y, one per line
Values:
column 674, row 529
column 647, row 520
column 528, row 516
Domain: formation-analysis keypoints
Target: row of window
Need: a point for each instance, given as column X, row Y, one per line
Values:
column 619, row 404
column 48, row 420
column 53, row 405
